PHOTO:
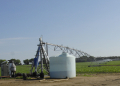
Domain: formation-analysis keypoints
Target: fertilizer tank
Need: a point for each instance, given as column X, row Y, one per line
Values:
column 63, row 66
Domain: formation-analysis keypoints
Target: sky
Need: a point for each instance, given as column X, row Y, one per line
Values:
column 92, row 26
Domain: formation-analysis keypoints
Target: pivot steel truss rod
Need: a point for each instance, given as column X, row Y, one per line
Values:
column 44, row 54
column 77, row 53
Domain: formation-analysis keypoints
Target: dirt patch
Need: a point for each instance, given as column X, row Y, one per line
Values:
column 81, row 80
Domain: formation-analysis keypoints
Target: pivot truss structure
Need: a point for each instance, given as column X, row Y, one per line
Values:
column 42, row 52
column 73, row 51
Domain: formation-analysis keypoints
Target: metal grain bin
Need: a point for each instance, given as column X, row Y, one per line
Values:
column 4, row 69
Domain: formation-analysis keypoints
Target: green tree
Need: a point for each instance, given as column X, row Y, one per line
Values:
column 31, row 60
column 16, row 61
column 26, row 61
column 2, row 60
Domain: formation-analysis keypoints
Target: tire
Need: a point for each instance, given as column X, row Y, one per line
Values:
column 41, row 75
column 34, row 74
column 24, row 76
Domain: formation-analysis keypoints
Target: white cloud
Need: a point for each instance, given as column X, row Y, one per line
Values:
column 18, row 38
column 6, row 40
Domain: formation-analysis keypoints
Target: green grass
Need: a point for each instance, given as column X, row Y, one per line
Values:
column 113, row 63
column 81, row 67
column 23, row 68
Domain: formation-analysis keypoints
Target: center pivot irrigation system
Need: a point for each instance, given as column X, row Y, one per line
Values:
column 42, row 52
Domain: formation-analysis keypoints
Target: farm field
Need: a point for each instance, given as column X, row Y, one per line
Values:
column 82, row 67
column 86, row 76
column 109, row 67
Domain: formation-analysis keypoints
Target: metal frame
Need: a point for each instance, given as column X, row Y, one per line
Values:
column 73, row 51
column 44, row 53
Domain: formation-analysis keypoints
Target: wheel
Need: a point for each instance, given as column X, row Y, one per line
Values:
column 34, row 74
column 24, row 76
column 41, row 75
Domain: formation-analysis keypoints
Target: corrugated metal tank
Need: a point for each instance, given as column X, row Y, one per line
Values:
column 63, row 66
column 4, row 70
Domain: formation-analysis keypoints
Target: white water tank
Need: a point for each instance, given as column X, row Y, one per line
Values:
column 9, row 68
column 13, row 67
column 63, row 66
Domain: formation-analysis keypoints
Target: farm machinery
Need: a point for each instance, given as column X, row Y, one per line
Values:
column 42, row 53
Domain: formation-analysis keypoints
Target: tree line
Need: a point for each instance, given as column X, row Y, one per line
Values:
column 18, row 62
column 92, row 58
column 80, row 59
column 28, row 61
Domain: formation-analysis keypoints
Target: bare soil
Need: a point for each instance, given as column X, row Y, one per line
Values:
column 81, row 80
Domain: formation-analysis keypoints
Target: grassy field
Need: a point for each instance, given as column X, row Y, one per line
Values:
column 82, row 67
